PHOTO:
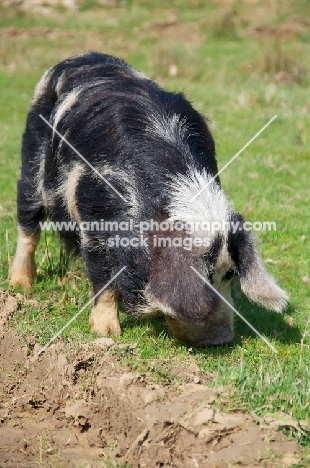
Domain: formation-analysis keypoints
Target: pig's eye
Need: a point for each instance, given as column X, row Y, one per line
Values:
column 229, row 274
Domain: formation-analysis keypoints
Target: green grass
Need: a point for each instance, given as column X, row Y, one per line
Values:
column 222, row 69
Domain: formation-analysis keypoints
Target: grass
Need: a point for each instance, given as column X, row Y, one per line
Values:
column 237, row 77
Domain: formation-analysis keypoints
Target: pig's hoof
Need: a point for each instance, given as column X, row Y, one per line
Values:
column 104, row 318
column 25, row 283
column 104, row 326
column 22, row 274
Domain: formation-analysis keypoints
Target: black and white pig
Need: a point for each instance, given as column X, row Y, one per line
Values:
column 150, row 154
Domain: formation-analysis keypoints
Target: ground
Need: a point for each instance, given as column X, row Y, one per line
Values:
column 75, row 405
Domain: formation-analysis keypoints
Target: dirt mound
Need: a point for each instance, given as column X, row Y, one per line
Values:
column 76, row 406
column 8, row 305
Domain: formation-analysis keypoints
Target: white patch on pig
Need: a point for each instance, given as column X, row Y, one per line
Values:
column 41, row 87
column 69, row 191
column 210, row 206
column 66, row 105
column 60, row 82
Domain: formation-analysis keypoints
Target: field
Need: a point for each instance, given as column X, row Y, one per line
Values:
column 240, row 63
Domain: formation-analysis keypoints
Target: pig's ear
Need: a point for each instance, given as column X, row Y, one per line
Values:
column 258, row 285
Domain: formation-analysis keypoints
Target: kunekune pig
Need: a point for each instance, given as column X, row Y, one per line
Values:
column 132, row 155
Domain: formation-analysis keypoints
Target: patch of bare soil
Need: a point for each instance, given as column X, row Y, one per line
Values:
column 76, row 406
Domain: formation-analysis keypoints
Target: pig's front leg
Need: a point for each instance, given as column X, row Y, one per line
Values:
column 104, row 317
column 23, row 269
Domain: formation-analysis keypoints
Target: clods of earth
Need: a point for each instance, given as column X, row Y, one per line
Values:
column 76, row 405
